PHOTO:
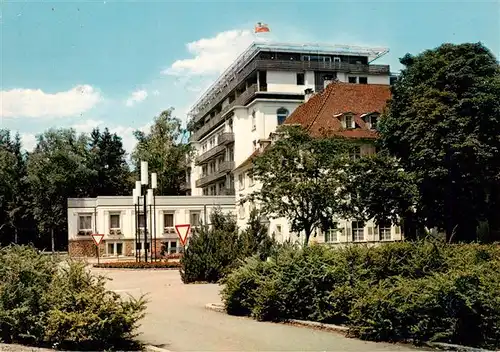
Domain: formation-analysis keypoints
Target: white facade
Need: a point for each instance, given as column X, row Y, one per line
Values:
column 115, row 218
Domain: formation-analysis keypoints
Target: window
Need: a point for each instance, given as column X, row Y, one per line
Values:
column 347, row 121
column 168, row 220
column 254, row 145
column 352, row 79
column 384, row 230
column 336, row 59
column 371, row 121
column 300, row 79
column 205, row 191
column 358, row 231
column 85, row 223
column 331, row 236
column 355, row 153
column 172, row 247
column 278, row 229
column 241, row 181
column 251, row 181
column 204, row 170
column 281, row 114
column 115, row 248
column 114, row 221
column 195, row 218
column 141, row 220
column 363, row 80
column 254, row 123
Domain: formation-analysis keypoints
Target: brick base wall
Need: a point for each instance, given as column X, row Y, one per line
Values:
column 86, row 247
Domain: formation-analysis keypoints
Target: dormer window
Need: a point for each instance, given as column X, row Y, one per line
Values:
column 347, row 121
column 371, row 121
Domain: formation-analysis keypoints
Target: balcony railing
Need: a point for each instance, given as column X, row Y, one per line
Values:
column 219, row 149
column 215, row 97
column 226, row 138
column 218, row 118
column 221, row 172
column 223, row 139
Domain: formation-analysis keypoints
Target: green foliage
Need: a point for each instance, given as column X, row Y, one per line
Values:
column 61, row 304
column 211, row 250
column 441, row 124
column 165, row 152
column 215, row 250
column 300, row 177
column 415, row 291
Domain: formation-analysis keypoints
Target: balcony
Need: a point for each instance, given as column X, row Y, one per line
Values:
column 222, row 170
column 218, row 118
column 216, row 95
column 223, row 140
column 226, row 138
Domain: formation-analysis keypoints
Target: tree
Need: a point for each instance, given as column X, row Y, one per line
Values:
column 13, row 194
column 255, row 238
column 165, row 152
column 108, row 159
column 302, row 180
column 442, row 124
column 58, row 170
column 380, row 189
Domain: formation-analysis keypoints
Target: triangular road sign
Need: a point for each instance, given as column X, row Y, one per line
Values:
column 97, row 238
column 182, row 232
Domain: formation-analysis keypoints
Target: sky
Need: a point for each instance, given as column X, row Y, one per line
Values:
column 118, row 64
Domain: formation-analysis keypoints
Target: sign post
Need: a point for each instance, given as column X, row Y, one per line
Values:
column 97, row 240
column 182, row 232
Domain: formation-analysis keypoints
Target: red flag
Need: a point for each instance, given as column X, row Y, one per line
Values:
column 261, row 28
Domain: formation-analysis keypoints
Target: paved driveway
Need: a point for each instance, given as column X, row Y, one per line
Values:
column 178, row 320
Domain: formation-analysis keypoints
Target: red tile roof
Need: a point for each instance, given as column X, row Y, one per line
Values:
column 318, row 114
column 249, row 160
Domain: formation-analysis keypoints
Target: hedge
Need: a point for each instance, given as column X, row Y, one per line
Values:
column 424, row 291
column 139, row 265
column 62, row 305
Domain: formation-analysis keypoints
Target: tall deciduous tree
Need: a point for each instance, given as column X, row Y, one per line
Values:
column 58, row 170
column 108, row 159
column 164, row 151
column 381, row 190
column 302, row 180
column 443, row 123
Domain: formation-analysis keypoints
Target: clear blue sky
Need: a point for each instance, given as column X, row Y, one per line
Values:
column 78, row 63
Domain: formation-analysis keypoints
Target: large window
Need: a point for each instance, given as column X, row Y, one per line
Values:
column 347, row 121
column 114, row 221
column 384, row 230
column 355, row 153
column 241, row 181
column 168, row 220
column 300, row 79
column 371, row 121
column 195, row 218
column 281, row 114
column 85, row 223
column 115, row 248
column 358, row 231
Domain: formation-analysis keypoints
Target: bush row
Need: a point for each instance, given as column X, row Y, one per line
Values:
column 61, row 304
column 138, row 265
column 421, row 291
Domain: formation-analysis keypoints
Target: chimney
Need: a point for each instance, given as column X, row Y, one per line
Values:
column 308, row 93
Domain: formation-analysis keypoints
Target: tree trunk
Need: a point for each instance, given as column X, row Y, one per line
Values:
column 52, row 240
column 308, row 233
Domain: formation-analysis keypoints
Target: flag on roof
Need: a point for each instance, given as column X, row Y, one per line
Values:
column 261, row 27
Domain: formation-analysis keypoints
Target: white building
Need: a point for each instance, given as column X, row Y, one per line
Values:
column 341, row 109
column 257, row 93
column 115, row 218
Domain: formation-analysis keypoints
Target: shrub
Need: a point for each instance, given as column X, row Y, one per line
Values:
column 138, row 265
column 215, row 250
column 44, row 302
column 401, row 291
column 211, row 250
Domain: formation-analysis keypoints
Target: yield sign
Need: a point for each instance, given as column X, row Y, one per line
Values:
column 97, row 238
column 182, row 232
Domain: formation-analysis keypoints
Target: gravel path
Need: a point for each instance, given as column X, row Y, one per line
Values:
column 19, row 348
column 177, row 320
